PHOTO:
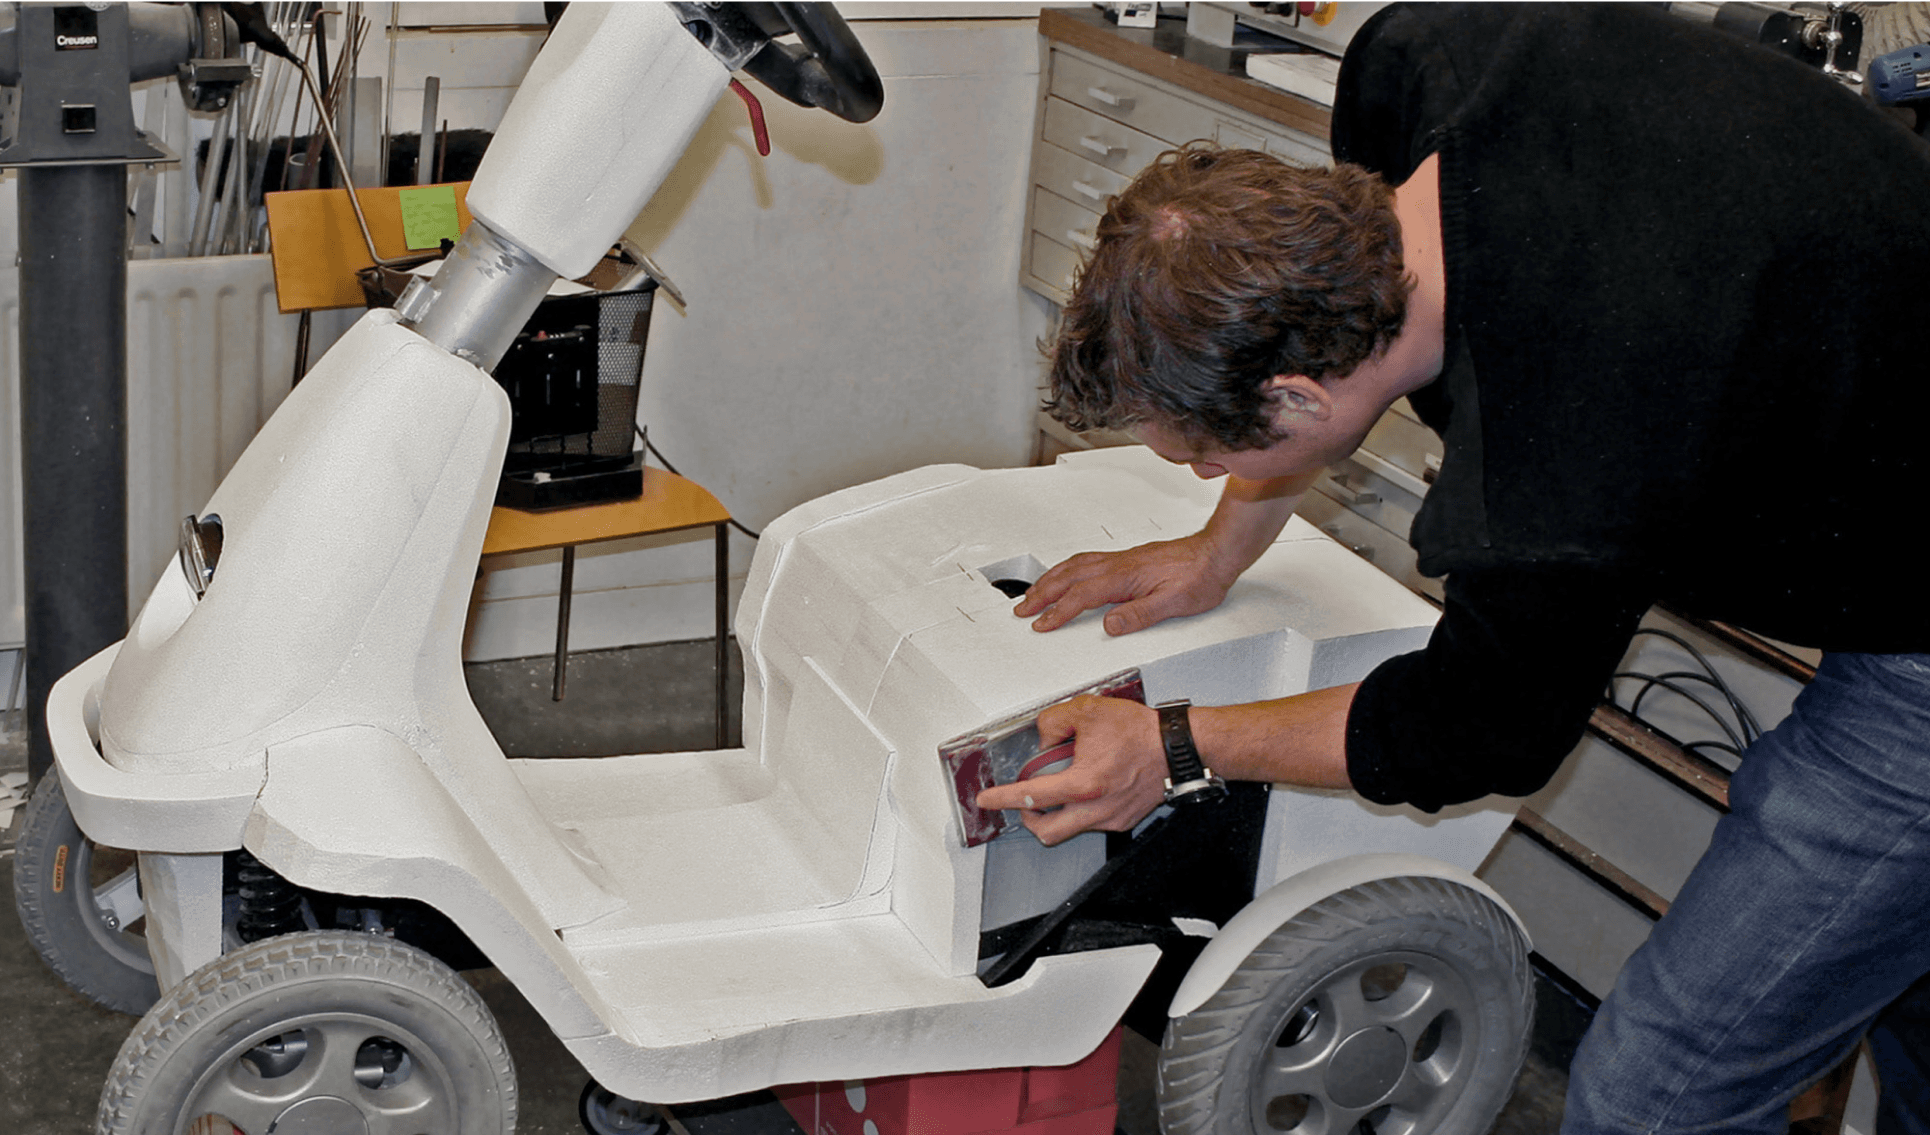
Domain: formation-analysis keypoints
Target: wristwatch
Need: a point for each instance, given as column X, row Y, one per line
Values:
column 1188, row 782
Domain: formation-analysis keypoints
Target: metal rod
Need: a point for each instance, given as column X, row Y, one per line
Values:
column 388, row 90
column 210, row 177
column 303, row 330
column 563, row 620
column 222, row 229
column 723, row 656
column 341, row 165
column 425, row 163
column 154, row 121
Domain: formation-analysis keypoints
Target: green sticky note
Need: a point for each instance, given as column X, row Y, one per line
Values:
column 429, row 216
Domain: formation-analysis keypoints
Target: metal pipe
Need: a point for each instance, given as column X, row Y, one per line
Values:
column 341, row 165
column 73, row 410
column 723, row 657
column 210, row 177
column 425, row 162
column 487, row 288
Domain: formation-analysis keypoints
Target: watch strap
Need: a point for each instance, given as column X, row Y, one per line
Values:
column 1183, row 764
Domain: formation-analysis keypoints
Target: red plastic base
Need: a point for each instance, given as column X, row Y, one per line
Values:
column 1074, row 1099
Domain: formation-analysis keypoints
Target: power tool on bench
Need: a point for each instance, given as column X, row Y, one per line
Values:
column 1902, row 78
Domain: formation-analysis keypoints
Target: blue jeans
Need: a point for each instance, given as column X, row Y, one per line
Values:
column 1807, row 918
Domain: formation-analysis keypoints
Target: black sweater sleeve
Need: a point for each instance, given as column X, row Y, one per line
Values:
column 1501, row 693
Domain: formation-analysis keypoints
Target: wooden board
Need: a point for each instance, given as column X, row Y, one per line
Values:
column 318, row 248
column 669, row 503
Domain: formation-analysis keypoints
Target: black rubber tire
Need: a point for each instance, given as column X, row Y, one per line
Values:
column 1339, row 1001
column 603, row 1112
column 53, row 892
column 378, row 1031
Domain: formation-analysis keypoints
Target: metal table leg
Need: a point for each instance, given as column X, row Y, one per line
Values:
column 563, row 620
column 723, row 584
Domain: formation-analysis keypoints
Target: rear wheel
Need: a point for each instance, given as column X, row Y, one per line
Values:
column 80, row 905
column 603, row 1112
column 1398, row 1007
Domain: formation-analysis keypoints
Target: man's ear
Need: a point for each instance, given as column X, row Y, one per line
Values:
column 1297, row 400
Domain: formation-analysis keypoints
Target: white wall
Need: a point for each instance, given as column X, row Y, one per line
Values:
column 854, row 311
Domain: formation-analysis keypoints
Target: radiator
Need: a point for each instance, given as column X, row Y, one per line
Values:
column 209, row 359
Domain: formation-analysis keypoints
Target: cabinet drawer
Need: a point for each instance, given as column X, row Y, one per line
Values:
column 1120, row 96
column 1404, row 442
column 1385, row 550
column 1099, row 140
column 1052, row 266
column 1074, row 178
column 1063, row 221
column 1174, row 117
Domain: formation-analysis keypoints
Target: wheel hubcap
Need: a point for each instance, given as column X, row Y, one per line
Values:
column 1382, row 1046
column 1366, row 1067
column 323, row 1115
column 328, row 1072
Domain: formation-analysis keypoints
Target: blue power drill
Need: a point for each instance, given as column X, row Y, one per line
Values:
column 1902, row 78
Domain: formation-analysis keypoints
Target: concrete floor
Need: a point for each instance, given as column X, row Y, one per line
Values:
column 56, row 1047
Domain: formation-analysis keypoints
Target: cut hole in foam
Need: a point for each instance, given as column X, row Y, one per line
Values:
column 1014, row 576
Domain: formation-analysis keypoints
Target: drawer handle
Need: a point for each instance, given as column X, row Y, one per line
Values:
column 1344, row 489
column 1101, row 94
column 1084, row 240
column 1363, row 550
column 1089, row 191
column 1102, row 148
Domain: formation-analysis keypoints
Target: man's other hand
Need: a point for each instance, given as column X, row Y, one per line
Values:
column 1117, row 775
column 1150, row 584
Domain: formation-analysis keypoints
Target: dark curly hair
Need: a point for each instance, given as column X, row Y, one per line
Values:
column 1215, row 270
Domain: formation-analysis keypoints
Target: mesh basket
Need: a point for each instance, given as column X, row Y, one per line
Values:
column 572, row 377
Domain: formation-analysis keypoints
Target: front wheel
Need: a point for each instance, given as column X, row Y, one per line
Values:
column 316, row 1031
column 1399, row 1007
column 80, row 905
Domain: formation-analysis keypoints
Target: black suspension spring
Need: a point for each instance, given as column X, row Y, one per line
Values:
column 270, row 904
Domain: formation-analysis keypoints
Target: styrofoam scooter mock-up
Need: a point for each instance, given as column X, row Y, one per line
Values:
column 803, row 908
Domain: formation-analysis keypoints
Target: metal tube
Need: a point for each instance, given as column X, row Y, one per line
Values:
column 563, row 621
column 485, row 291
column 210, row 177
column 73, row 410
column 723, row 657
column 425, row 161
column 341, row 164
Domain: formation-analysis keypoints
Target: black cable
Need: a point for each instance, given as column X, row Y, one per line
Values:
column 658, row 454
column 1650, row 682
column 1717, row 745
column 1750, row 728
column 1744, row 721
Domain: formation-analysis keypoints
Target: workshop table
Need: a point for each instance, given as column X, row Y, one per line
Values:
column 669, row 503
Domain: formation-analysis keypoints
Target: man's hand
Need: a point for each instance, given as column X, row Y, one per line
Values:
column 1151, row 583
column 1117, row 776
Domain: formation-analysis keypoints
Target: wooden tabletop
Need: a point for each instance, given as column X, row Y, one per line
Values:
column 669, row 504
column 318, row 246
column 1167, row 52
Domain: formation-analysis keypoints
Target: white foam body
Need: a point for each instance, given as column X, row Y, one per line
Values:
column 606, row 109
column 691, row 924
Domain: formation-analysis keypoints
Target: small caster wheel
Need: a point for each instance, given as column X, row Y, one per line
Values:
column 605, row 1113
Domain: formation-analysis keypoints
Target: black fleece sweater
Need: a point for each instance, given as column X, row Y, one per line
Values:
column 1688, row 321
